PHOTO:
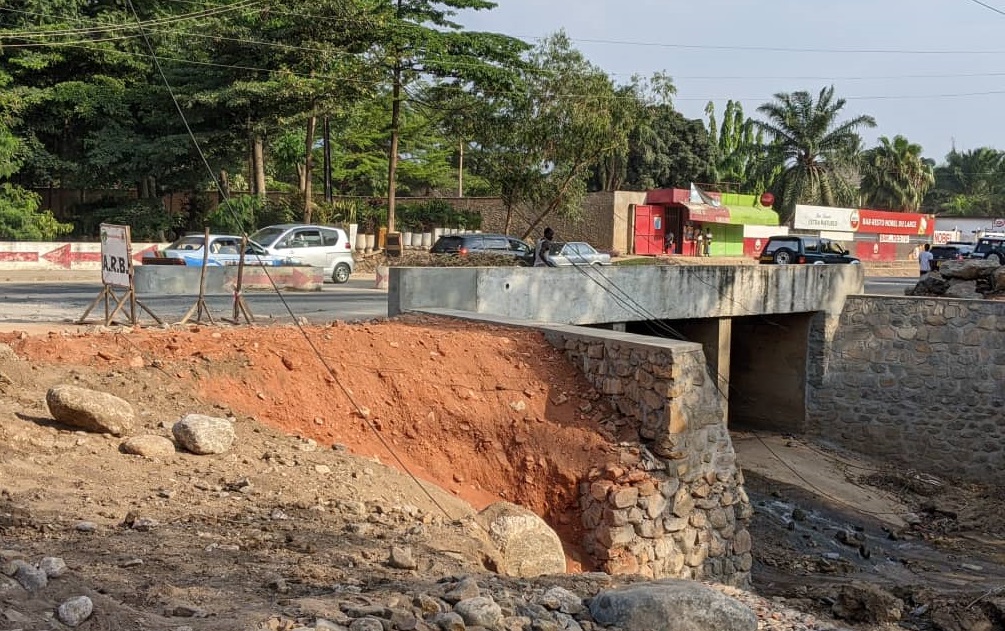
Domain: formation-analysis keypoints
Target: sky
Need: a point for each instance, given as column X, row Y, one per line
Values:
column 931, row 70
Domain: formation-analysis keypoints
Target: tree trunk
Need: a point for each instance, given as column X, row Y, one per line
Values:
column 258, row 164
column 460, row 172
column 224, row 193
column 309, row 169
column 392, row 162
column 509, row 219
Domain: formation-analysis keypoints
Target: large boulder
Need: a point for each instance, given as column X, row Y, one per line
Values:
column 671, row 605
column 963, row 289
column 968, row 269
column 90, row 410
column 527, row 545
column 204, row 435
column 862, row 602
column 933, row 284
column 998, row 279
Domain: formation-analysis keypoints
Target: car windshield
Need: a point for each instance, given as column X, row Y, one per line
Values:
column 832, row 247
column 267, row 236
column 447, row 244
column 188, row 242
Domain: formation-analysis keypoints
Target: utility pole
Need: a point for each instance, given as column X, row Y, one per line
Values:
column 392, row 163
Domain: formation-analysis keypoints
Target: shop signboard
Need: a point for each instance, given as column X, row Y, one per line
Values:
column 891, row 223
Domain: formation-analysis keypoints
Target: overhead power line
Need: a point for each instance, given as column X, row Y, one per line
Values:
column 988, row 6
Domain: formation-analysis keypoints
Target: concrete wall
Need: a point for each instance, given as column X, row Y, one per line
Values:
column 180, row 280
column 623, row 294
column 61, row 255
column 918, row 381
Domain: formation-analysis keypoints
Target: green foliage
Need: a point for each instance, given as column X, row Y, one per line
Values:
column 21, row 219
column 895, row 176
column 970, row 183
column 236, row 215
column 817, row 151
column 742, row 161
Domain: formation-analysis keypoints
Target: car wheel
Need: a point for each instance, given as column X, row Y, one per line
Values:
column 341, row 273
column 783, row 256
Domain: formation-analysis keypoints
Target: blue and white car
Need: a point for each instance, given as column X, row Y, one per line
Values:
column 223, row 250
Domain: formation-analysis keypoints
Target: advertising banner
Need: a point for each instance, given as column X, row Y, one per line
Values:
column 823, row 218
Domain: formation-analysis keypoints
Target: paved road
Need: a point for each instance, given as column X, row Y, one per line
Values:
column 888, row 285
column 35, row 302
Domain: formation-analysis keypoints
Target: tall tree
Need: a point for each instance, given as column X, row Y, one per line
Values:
column 970, row 182
column 816, row 150
column 544, row 143
column 895, row 176
column 420, row 41
column 741, row 159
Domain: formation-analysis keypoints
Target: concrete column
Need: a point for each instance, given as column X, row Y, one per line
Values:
column 721, row 361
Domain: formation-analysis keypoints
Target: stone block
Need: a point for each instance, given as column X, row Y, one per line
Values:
column 624, row 497
column 615, row 536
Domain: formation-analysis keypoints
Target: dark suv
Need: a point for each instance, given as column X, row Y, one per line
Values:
column 798, row 249
column 500, row 244
column 990, row 248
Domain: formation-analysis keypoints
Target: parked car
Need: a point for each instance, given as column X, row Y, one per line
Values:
column 500, row 244
column 990, row 247
column 946, row 252
column 318, row 246
column 224, row 249
column 799, row 249
column 577, row 253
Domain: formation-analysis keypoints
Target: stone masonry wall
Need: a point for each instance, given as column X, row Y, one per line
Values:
column 918, row 381
column 675, row 506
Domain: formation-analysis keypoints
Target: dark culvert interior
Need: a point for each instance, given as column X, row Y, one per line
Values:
column 767, row 365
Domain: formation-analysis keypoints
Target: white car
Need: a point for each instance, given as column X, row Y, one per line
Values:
column 577, row 253
column 318, row 246
column 224, row 249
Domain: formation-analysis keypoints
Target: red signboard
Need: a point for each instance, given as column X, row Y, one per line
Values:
column 882, row 222
column 704, row 213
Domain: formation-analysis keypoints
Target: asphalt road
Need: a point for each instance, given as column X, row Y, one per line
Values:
column 65, row 302
column 888, row 285
column 34, row 302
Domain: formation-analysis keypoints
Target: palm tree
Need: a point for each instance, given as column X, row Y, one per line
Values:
column 970, row 182
column 815, row 149
column 895, row 176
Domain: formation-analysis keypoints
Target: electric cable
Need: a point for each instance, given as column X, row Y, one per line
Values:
column 296, row 321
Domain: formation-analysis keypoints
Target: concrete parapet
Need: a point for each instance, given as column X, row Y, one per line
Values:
column 625, row 294
column 180, row 280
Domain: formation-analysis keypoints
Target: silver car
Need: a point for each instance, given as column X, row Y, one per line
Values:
column 318, row 246
column 577, row 253
column 224, row 249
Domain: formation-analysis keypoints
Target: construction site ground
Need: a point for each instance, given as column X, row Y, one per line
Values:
column 318, row 485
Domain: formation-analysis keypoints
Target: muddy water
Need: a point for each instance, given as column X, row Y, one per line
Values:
column 806, row 549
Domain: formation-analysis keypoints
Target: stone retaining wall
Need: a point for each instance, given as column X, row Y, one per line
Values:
column 919, row 381
column 675, row 507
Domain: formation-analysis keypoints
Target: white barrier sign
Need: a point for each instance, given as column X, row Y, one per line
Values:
column 116, row 258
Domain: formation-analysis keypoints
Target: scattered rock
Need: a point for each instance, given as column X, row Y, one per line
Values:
column 7, row 354
column 54, row 567
column 561, row 599
column 464, row 589
column 30, row 577
column 963, row 289
column 671, row 605
column 75, row 611
column 366, row 624
column 148, row 446
column 449, row 621
column 968, row 269
column 527, row 544
column 204, row 435
column 90, row 410
column 862, row 602
column 402, row 559
column 85, row 526
column 480, row 611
